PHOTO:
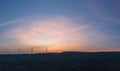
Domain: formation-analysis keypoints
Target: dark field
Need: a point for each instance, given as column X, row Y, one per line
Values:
column 67, row 61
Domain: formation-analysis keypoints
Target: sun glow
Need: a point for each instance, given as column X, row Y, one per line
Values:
column 45, row 32
column 41, row 40
column 58, row 32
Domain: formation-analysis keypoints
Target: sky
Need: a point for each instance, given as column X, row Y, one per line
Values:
column 59, row 25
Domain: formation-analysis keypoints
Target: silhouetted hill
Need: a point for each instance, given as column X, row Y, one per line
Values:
column 65, row 61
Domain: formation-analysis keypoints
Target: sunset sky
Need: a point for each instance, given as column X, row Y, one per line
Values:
column 60, row 25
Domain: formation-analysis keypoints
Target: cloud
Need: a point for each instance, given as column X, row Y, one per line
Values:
column 55, row 31
column 16, row 21
column 9, row 23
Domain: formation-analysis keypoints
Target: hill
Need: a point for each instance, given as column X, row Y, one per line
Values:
column 66, row 61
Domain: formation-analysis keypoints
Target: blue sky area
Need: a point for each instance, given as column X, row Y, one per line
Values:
column 78, row 25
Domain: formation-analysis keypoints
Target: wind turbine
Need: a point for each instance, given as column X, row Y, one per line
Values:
column 19, row 50
column 32, row 50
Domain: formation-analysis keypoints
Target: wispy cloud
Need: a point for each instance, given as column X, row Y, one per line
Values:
column 55, row 31
column 9, row 23
column 16, row 21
